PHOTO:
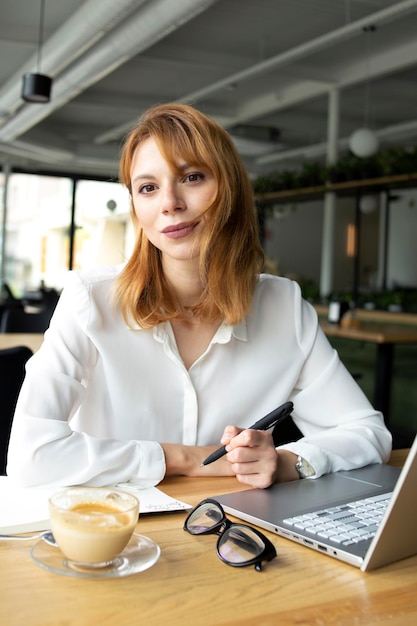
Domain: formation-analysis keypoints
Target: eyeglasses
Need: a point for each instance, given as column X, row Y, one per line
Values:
column 238, row 544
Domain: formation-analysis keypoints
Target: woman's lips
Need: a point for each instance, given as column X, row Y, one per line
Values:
column 177, row 231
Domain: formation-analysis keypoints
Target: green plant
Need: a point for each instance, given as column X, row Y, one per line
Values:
column 310, row 290
column 390, row 162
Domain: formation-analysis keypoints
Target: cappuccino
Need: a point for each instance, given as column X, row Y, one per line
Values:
column 93, row 525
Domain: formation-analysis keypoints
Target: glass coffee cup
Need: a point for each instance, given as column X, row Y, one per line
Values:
column 92, row 525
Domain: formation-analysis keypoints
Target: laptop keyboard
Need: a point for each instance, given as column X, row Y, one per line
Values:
column 345, row 524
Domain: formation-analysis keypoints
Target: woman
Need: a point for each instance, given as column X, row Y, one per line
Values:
column 146, row 368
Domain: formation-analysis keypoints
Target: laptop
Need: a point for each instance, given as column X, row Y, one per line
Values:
column 365, row 517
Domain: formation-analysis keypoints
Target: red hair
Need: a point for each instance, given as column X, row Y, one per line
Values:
column 230, row 252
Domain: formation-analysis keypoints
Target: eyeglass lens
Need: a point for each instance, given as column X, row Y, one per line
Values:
column 204, row 518
column 239, row 544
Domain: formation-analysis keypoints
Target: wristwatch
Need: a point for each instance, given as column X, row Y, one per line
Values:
column 304, row 468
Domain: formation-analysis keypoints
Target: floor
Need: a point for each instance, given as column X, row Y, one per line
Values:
column 359, row 358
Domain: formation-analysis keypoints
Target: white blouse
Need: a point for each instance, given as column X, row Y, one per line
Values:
column 98, row 396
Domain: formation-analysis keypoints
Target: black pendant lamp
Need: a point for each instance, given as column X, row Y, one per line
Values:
column 36, row 86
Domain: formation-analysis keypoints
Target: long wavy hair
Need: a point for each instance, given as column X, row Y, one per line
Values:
column 230, row 254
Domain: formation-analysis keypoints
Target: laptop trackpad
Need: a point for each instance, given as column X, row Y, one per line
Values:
column 300, row 496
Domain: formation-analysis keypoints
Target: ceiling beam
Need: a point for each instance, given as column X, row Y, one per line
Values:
column 152, row 22
column 323, row 42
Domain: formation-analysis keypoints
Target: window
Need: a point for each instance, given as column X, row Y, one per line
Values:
column 41, row 241
column 102, row 224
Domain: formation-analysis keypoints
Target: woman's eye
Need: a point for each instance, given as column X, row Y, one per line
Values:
column 146, row 188
column 194, row 177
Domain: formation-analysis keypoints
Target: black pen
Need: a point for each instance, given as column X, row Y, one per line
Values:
column 272, row 419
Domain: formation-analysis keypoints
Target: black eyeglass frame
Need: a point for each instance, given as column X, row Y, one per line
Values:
column 223, row 526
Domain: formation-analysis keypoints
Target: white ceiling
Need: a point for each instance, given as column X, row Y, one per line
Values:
column 251, row 64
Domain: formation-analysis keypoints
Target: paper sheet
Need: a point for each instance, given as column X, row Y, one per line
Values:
column 26, row 509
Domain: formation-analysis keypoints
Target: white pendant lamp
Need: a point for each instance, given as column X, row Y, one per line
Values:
column 364, row 142
column 36, row 86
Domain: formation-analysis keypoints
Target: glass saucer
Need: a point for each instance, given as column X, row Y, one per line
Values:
column 139, row 554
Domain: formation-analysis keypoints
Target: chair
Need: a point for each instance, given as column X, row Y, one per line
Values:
column 19, row 321
column 12, row 373
column 6, row 305
column 285, row 432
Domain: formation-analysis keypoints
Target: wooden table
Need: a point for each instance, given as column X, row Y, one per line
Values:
column 385, row 336
column 190, row 585
column 31, row 340
column 374, row 316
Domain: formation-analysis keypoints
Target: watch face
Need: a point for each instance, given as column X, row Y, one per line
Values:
column 304, row 468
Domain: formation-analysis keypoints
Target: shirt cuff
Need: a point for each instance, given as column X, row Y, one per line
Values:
column 317, row 459
column 152, row 467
